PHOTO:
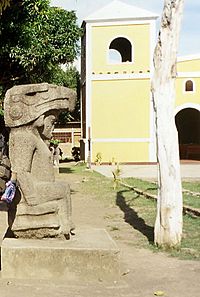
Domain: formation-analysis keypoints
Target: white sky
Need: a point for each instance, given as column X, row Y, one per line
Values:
column 190, row 33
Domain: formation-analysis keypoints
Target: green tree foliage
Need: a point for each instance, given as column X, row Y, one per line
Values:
column 34, row 39
column 68, row 78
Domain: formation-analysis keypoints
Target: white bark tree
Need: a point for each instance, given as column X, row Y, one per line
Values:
column 168, row 225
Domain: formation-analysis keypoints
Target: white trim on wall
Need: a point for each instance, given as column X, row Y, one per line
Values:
column 88, row 84
column 188, row 58
column 81, row 113
column 152, row 145
column 120, row 140
column 147, row 75
column 120, row 76
column 186, row 105
column 189, row 74
column 152, row 43
column 119, row 22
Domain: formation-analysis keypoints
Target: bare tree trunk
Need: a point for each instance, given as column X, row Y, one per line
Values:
column 168, row 226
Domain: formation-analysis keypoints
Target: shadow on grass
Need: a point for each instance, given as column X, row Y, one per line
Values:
column 66, row 170
column 132, row 218
column 67, row 161
column 153, row 189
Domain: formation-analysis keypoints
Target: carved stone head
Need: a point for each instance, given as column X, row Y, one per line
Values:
column 25, row 103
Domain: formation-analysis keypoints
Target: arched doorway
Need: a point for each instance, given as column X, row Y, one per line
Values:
column 188, row 126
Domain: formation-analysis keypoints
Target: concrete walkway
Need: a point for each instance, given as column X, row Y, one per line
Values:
column 188, row 171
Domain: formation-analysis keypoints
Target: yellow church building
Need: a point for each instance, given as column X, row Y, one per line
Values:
column 116, row 68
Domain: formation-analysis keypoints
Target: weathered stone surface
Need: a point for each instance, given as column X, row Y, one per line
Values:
column 4, row 171
column 90, row 255
column 25, row 103
column 41, row 202
column 3, row 221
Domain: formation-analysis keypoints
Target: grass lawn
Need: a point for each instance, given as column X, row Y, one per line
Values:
column 188, row 199
column 192, row 186
column 140, row 212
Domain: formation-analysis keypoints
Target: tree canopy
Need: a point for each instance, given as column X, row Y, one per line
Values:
column 34, row 39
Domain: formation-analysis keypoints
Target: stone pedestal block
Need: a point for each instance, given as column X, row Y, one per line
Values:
column 90, row 255
column 3, row 221
column 56, row 170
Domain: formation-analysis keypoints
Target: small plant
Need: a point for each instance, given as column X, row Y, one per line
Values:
column 116, row 176
column 98, row 158
column 113, row 162
column 55, row 141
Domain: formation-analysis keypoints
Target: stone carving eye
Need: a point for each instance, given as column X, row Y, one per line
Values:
column 31, row 94
column 29, row 98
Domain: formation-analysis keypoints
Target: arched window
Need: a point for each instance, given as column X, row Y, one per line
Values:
column 189, row 86
column 120, row 50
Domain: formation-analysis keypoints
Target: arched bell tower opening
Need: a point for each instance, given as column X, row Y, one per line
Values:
column 188, row 126
column 121, row 49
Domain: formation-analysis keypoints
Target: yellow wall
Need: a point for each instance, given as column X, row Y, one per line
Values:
column 138, row 35
column 183, row 97
column 120, row 108
column 189, row 66
column 121, row 152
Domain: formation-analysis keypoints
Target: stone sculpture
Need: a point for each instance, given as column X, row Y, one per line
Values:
column 42, row 207
column 4, row 164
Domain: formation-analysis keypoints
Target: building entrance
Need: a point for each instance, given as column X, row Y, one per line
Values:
column 188, row 126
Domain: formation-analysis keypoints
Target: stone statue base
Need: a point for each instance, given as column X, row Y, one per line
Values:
column 46, row 218
column 91, row 256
